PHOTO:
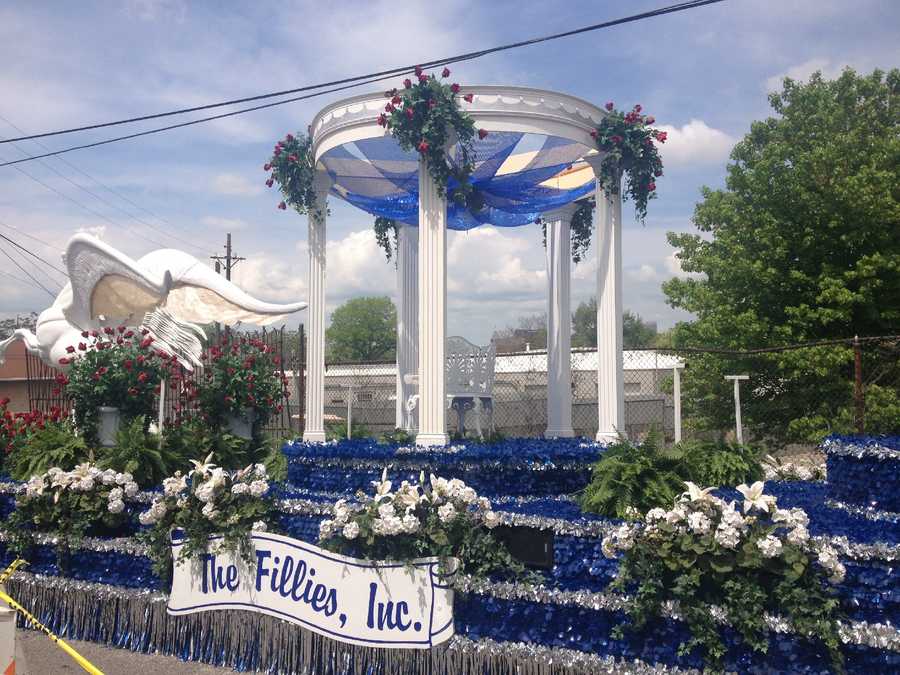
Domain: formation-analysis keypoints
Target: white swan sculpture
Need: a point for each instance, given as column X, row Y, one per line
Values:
column 166, row 291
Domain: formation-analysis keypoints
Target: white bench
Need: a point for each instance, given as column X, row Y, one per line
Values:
column 468, row 379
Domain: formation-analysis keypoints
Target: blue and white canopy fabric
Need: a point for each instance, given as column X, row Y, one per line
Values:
column 517, row 175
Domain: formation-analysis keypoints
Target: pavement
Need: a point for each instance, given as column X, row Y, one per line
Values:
column 36, row 654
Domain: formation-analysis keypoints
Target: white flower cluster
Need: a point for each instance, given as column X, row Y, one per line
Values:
column 208, row 483
column 698, row 512
column 84, row 478
column 778, row 470
column 400, row 512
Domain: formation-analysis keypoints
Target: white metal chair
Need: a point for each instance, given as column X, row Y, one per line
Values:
column 469, row 381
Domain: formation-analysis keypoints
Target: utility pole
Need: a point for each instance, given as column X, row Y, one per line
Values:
column 229, row 259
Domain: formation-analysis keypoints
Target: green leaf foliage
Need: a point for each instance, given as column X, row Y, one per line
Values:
column 363, row 330
column 630, row 479
column 802, row 244
column 139, row 453
column 54, row 445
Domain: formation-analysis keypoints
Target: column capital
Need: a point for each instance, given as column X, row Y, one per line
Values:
column 595, row 160
column 560, row 213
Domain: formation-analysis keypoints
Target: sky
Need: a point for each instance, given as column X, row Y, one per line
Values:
column 704, row 74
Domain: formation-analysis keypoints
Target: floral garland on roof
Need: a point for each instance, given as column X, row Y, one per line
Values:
column 629, row 146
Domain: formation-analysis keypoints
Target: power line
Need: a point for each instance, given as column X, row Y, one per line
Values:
column 33, row 255
column 105, row 187
column 19, row 279
column 86, row 208
column 43, row 272
column 54, row 247
column 27, row 273
column 349, row 82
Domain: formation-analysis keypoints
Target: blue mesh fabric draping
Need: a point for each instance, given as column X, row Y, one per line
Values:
column 377, row 176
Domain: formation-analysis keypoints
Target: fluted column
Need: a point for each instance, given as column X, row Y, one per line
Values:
column 559, row 322
column 314, row 427
column 407, row 322
column 610, row 375
column 432, row 311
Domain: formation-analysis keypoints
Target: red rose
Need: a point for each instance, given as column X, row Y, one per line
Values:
column 229, row 400
column 482, row 133
column 140, row 358
column 120, row 340
column 616, row 139
column 70, row 349
column 409, row 113
column 637, row 108
column 658, row 173
column 292, row 158
column 4, row 401
column 142, row 377
column 423, row 147
column 382, row 120
column 102, row 370
column 594, row 134
column 129, row 334
column 389, row 107
column 468, row 98
column 445, row 72
column 282, row 206
column 289, row 138
column 396, row 100
column 132, row 391
column 407, row 83
column 650, row 119
column 609, row 105
column 144, row 331
column 95, row 334
column 266, row 167
column 269, row 182
column 651, row 187
column 662, row 136
column 108, row 330
column 423, row 79
column 454, row 88
column 146, row 342
column 64, row 361
column 127, row 363
column 84, row 334
column 418, row 70
column 277, row 151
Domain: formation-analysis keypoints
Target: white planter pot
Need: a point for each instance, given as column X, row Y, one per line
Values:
column 108, row 426
column 241, row 425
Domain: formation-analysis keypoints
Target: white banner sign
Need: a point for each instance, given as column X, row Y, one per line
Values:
column 407, row 605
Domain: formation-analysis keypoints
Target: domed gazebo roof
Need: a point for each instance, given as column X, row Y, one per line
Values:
column 528, row 164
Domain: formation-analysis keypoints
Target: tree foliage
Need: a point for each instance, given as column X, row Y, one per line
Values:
column 363, row 329
column 803, row 244
column 636, row 332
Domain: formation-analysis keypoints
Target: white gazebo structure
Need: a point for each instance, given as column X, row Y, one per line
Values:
column 538, row 158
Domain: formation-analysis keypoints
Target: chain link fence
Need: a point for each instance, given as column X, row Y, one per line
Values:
column 792, row 397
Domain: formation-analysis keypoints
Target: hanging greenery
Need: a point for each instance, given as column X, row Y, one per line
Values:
column 386, row 235
column 628, row 141
column 292, row 168
column 425, row 116
column 582, row 225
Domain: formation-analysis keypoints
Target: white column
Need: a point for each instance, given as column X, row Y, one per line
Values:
column 559, row 322
column 432, row 311
column 407, row 321
column 314, row 428
column 610, row 376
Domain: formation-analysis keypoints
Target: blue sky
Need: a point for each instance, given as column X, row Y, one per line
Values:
column 703, row 74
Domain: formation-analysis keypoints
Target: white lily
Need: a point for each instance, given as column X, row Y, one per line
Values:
column 383, row 488
column 698, row 494
column 205, row 467
column 754, row 497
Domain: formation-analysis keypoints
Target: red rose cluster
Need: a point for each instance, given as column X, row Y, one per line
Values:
column 16, row 427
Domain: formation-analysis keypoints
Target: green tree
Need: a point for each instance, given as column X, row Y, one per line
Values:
column 636, row 332
column 803, row 244
column 363, row 329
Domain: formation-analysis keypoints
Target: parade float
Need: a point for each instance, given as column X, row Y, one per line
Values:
column 553, row 555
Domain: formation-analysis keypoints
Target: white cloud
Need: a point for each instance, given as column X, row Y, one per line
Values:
column 226, row 224
column 643, row 273
column 802, row 71
column 235, row 185
column 695, row 143
column 673, row 267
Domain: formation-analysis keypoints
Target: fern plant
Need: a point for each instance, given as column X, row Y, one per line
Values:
column 54, row 445
column 721, row 464
column 632, row 479
column 139, row 453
